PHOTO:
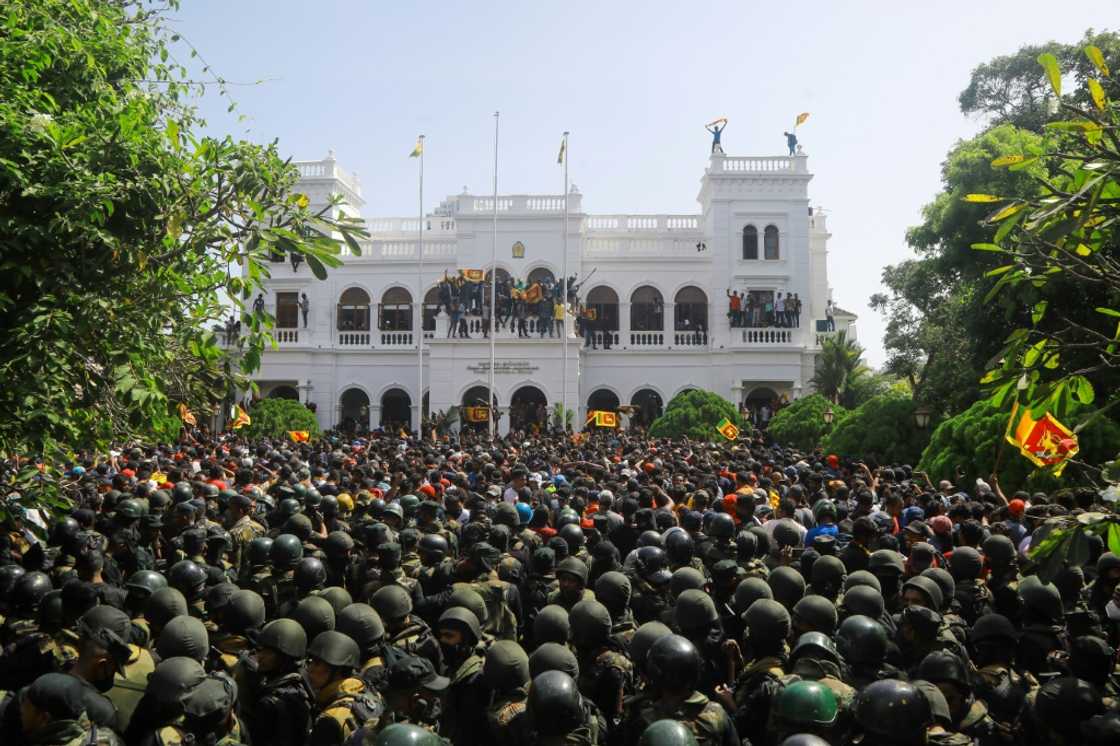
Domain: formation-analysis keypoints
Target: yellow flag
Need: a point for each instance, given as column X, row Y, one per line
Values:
column 419, row 149
column 186, row 416
column 563, row 148
column 728, row 429
column 801, row 119
column 241, row 418
column 299, row 436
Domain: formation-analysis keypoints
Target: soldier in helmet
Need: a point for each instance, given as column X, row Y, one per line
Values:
column 27, row 593
column 973, row 599
column 606, row 674
column 539, row 584
column 343, row 702
column 892, row 712
column 407, row 734
column 413, row 692
column 571, row 576
column 888, row 567
column 428, row 523
column 160, row 717
column 281, row 702
column 767, row 625
column 256, row 572
column 189, row 579
column 241, row 621
column 284, row 554
column 464, row 716
column 1003, row 575
column 559, row 715
column 672, row 668
column 612, row 589
column 993, row 642
column 649, row 583
column 695, row 618
column 506, row 673
column 140, row 587
column 814, row 658
column 1043, row 626
column 862, row 644
column 389, row 572
column 52, row 711
column 720, row 543
column 806, row 707
column 404, row 630
column 967, row 715
column 363, row 625
column 746, row 555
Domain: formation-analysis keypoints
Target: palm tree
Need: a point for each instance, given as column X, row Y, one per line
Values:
column 839, row 364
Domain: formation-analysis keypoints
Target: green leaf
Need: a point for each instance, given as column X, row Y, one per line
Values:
column 1114, row 538
column 1008, row 160
column 999, row 270
column 1007, row 212
column 1050, row 64
column 317, row 267
column 1082, row 389
column 1097, row 58
column 982, row 198
column 988, row 247
column 355, row 248
column 1107, row 311
column 1097, row 93
column 1039, row 311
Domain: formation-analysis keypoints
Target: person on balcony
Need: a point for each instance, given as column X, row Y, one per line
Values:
column 258, row 304
column 795, row 312
column 304, row 307
column 734, row 308
column 791, row 142
column 830, row 316
column 779, row 311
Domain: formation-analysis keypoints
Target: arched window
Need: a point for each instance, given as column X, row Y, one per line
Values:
column 353, row 310
column 604, row 301
column 431, row 309
column 770, row 243
column 396, row 311
column 543, row 275
column 396, row 410
column 690, row 310
column 647, row 310
column 750, row 242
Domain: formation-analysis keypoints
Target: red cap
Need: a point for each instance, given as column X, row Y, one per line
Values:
column 833, row 460
column 1016, row 507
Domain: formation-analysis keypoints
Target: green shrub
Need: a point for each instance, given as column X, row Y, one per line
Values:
column 801, row 423
column 273, row 418
column 695, row 414
column 882, row 428
column 971, row 439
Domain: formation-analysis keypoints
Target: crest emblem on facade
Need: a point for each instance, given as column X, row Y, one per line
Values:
column 519, row 250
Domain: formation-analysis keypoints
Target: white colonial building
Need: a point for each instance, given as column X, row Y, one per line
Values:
column 658, row 282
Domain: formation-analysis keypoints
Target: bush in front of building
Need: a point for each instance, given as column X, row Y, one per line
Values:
column 275, row 418
column 695, row 414
column 882, row 428
column 801, row 422
column 970, row 441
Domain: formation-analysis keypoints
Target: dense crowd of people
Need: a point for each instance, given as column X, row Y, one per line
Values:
column 602, row 590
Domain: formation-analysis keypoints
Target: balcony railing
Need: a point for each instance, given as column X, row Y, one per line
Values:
column 764, row 336
column 353, row 339
column 396, row 339
column 759, row 164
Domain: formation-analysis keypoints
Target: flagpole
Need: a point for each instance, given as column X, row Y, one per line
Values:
column 564, row 298
column 420, row 302
column 494, row 288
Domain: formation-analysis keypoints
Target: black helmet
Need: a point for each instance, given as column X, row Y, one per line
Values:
column 746, row 545
column 462, row 618
column 942, row 666
column 171, row 680
column 686, row 578
column 643, row 640
column 50, row 615
column 433, row 547
column 183, row 636
column 722, row 526
column 129, row 509
column 787, row 533
column 993, row 628
column 245, row 611
column 329, row 506
column 392, row 603
column 315, row 615
column 259, row 551
column 406, row 734
column 310, row 574
column 695, row 611
column 766, row 622
column 928, row 588
column 667, row 733
column 787, row 584
column 143, row 583
column 674, row 663
column 804, row 739
column 862, row 577
column 652, row 565
column 284, row 636
column 554, row 705
column 337, row 545
column 64, row 531
column 188, row 578
column 861, row 640
column 679, row 547
column 815, row 613
column 338, row 597
column 285, row 551
column 590, row 623
column 999, row 549
column 164, row 605
column 865, row 600
column 965, row 563
column 613, row 590
column 815, row 645
column 335, row 649
column 464, row 595
column 9, row 575
column 29, row 590
column 573, row 534
column 828, row 574
column 893, row 710
column 362, row 624
column 1042, row 599
column 552, row 625
column 575, row 567
column 749, row 591
column 944, row 581
column 553, row 656
column 182, row 492
column 506, row 666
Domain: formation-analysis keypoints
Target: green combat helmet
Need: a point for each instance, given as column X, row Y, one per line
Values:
column 284, row 636
column 667, row 733
column 806, row 705
column 406, row 734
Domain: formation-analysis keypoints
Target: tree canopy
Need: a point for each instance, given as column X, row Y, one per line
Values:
column 839, row 368
column 695, row 414
column 882, row 428
column 275, row 418
column 801, row 422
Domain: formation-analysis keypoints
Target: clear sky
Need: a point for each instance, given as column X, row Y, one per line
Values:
column 634, row 82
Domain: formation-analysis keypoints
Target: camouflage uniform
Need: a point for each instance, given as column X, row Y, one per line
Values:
column 416, row 638
column 707, row 720
column 130, row 684
column 509, row 725
column 1004, row 691
column 755, row 690
column 501, row 622
column 241, row 533
column 606, row 677
column 345, row 706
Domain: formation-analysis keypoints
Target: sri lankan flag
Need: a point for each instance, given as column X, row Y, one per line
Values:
column 563, row 148
column 474, row 275
column 602, row 418
column 240, row 418
column 299, row 436
column 1044, row 442
column 186, row 416
column 801, row 119
column 728, row 429
column 418, row 150
column 534, row 293
column 476, row 414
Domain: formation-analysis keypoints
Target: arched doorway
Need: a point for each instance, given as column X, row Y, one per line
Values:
column 647, row 310
column 690, row 316
column 471, row 412
column 604, row 301
column 284, row 392
column 528, row 409
column 431, row 310
column 603, row 399
column 648, row 407
column 395, row 311
column 761, row 403
column 353, row 411
column 396, row 410
column 543, row 275
column 353, row 311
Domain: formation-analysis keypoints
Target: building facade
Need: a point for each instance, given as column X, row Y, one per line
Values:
column 659, row 286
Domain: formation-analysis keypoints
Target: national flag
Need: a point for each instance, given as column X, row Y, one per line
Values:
column 1044, row 442
column 186, row 416
column 419, row 149
column 563, row 148
column 474, row 275
column 602, row 418
column 299, row 436
column 240, row 418
column 801, row 119
column 477, row 414
column 534, row 293
column 728, row 429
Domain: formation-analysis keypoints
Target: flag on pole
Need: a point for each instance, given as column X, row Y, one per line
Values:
column 419, row 149
column 474, row 275
column 602, row 418
column 240, row 418
column 728, row 429
column 299, row 436
column 476, row 414
column 1044, row 442
column 563, row 148
column 801, row 119
column 186, row 416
